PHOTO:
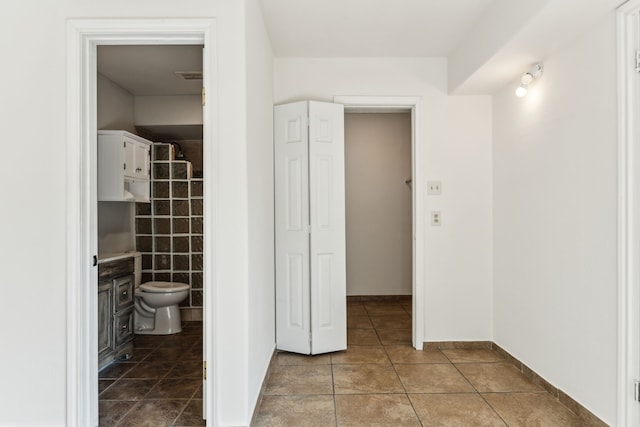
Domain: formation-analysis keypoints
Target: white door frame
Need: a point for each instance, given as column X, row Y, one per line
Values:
column 403, row 103
column 83, row 37
column 628, row 213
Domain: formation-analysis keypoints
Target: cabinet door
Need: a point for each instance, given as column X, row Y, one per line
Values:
column 142, row 167
column 105, row 319
column 129, row 158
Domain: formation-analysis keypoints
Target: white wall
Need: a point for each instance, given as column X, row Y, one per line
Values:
column 168, row 110
column 115, row 219
column 260, row 195
column 35, row 99
column 115, row 106
column 116, row 229
column 378, row 203
column 555, row 221
column 458, row 273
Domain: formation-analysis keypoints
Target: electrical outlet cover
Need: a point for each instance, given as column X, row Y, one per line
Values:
column 436, row 218
column 434, row 188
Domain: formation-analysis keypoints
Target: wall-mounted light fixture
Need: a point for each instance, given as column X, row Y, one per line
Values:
column 534, row 73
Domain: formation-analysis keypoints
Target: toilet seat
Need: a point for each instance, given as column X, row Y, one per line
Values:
column 164, row 287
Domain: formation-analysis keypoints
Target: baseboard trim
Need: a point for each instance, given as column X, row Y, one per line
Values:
column 452, row 345
column 586, row 416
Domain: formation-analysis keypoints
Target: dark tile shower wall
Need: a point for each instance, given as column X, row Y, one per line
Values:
column 169, row 229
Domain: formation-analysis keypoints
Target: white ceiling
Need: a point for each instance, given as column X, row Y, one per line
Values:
column 369, row 28
column 150, row 70
column 309, row 28
column 487, row 42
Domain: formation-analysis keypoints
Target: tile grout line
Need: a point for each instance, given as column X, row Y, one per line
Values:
column 476, row 390
column 126, row 413
column 187, row 405
column 175, row 420
column 132, row 406
column 406, row 393
column 333, row 388
column 493, row 409
column 393, row 365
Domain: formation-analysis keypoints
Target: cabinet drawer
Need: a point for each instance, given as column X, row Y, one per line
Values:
column 123, row 287
column 123, row 326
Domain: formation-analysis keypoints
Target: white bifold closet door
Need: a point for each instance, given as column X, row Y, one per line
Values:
column 310, row 227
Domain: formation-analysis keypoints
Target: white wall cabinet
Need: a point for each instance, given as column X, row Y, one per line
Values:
column 124, row 167
column 310, row 227
column 137, row 163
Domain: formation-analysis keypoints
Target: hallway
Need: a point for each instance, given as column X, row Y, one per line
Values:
column 381, row 380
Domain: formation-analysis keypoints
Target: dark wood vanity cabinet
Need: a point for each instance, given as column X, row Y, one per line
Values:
column 105, row 324
column 115, row 311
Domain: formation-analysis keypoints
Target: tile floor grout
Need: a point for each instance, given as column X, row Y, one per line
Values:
column 477, row 391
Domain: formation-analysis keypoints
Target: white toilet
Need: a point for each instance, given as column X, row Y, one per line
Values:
column 156, row 305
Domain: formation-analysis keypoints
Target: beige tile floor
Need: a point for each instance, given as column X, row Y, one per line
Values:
column 160, row 386
column 380, row 380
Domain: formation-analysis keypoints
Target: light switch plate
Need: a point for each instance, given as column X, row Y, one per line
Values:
column 434, row 188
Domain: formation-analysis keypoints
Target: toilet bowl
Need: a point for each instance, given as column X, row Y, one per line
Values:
column 156, row 307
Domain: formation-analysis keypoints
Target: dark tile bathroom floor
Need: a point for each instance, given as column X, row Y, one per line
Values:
column 160, row 386
column 381, row 380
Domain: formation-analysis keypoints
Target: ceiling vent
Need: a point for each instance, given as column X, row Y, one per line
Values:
column 189, row 75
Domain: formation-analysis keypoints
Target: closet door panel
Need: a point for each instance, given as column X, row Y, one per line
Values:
column 327, row 218
column 291, row 176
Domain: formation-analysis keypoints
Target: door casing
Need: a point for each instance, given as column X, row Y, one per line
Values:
column 375, row 104
column 83, row 37
column 628, row 27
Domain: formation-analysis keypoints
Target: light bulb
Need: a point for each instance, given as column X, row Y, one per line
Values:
column 526, row 78
column 521, row 91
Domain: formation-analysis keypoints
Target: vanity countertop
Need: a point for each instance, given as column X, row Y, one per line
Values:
column 114, row 256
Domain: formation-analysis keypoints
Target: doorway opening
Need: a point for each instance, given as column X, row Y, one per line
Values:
column 411, row 107
column 84, row 37
column 379, row 215
column 153, row 92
